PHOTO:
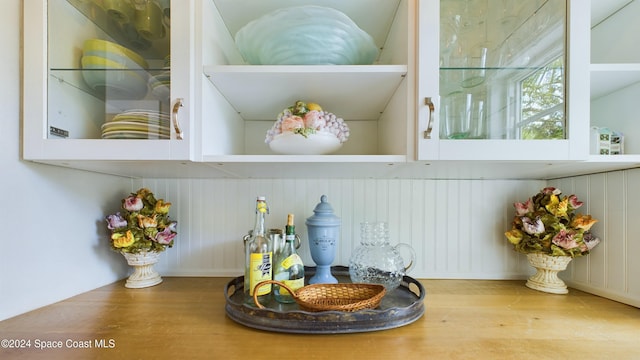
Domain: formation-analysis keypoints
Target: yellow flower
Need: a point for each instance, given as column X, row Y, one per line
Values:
column 143, row 192
column 584, row 222
column 514, row 236
column 162, row 207
column 146, row 221
column 121, row 240
column 556, row 207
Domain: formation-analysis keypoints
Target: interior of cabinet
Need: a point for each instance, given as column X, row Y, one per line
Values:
column 75, row 108
column 615, row 77
column 240, row 102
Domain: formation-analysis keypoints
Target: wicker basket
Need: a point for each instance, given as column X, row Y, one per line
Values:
column 327, row 297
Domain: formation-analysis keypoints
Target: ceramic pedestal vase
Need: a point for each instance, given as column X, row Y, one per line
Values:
column 144, row 274
column 323, row 228
column 546, row 278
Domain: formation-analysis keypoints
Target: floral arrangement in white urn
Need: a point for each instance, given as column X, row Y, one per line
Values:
column 305, row 128
column 547, row 223
column 142, row 225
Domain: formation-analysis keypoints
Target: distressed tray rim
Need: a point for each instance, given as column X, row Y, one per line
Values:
column 327, row 322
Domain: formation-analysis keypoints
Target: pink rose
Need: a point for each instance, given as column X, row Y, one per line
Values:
column 574, row 202
column 116, row 221
column 165, row 237
column 532, row 226
column 291, row 123
column 551, row 191
column 133, row 203
column 523, row 208
column 565, row 240
column 590, row 241
column 314, row 120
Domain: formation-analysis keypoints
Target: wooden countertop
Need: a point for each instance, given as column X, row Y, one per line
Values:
column 184, row 318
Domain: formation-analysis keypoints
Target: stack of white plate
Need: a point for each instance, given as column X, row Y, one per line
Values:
column 114, row 69
column 137, row 124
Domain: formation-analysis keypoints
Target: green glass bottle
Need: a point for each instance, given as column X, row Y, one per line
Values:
column 289, row 268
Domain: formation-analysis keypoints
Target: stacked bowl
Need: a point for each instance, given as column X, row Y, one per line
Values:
column 160, row 84
column 113, row 69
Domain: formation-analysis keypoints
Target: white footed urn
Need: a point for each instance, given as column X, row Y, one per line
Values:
column 144, row 275
column 546, row 277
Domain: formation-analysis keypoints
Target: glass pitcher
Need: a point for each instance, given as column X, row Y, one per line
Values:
column 375, row 261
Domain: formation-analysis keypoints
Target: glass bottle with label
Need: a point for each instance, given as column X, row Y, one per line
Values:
column 289, row 267
column 258, row 254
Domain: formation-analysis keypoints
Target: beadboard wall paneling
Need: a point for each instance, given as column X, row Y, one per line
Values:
column 610, row 270
column 456, row 227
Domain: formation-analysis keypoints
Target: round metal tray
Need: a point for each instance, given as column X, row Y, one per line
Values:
column 399, row 307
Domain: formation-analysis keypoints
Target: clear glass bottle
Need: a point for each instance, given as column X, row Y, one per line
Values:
column 258, row 254
column 289, row 267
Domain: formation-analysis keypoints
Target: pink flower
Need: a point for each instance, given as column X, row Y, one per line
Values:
column 165, row 236
column 574, row 202
column 590, row 240
column 532, row 227
column 291, row 123
column 314, row 120
column 116, row 221
column 523, row 208
column 551, row 191
column 133, row 203
column 565, row 240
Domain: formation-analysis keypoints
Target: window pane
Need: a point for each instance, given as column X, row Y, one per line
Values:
column 543, row 115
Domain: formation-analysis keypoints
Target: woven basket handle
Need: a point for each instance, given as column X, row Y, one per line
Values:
column 260, row 284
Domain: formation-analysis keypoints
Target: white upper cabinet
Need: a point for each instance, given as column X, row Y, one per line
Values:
column 502, row 80
column 492, row 80
column 615, row 81
column 107, row 80
column 241, row 99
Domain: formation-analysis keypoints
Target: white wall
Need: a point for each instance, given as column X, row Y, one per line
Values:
column 455, row 226
column 52, row 242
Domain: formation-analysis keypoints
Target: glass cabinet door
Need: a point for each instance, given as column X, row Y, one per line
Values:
column 502, row 69
column 502, row 89
column 103, row 80
column 109, row 69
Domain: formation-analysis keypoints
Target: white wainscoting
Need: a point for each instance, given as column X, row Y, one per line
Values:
column 610, row 270
column 455, row 226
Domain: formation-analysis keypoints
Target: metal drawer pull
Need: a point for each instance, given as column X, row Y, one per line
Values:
column 429, row 103
column 174, row 115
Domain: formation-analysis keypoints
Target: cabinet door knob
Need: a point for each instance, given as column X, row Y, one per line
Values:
column 429, row 103
column 174, row 115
